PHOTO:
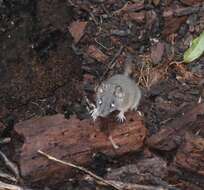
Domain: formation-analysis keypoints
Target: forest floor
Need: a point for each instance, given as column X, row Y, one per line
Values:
column 54, row 53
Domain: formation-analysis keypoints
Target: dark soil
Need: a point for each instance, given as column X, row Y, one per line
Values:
column 39, row 72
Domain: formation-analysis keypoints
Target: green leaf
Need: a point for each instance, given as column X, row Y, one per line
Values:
column 195, row 50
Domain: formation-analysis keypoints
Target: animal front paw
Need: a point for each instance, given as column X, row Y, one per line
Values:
column 94, row 113
column 134, row 109
column 120, row 117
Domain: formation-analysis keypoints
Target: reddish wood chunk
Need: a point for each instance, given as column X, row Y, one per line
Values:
column 138, row 17
column 77, row 30
column 170, row 136
column 74, row 141
column 191, row 2
column 96, row 54
column 190, row 155
column 172, row 24
column 157, row 52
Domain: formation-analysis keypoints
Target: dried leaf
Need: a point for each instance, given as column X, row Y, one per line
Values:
column 96, row 54
column 77, row 29
column 196, row 49
column 157, row 52
column 172, row 24
column 156, row 2
column 138, row 17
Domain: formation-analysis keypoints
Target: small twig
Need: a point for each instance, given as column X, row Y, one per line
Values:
column 172, row 63
column 104, row 47
column 7, row 176
column 117, row 12
column 10, row 165
column 112, row 63
column 81, row 169
column 93, row 18
column 5, row 140
column 148, row 78
column 144, row 76
column 115, row 146
column 175, row 62
column 107, row 13
column 41, row 109
column 141, row 75
column 199, row 100
column 6, row 186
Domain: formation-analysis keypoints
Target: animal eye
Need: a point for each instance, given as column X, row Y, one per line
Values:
column 100, row 90
column 112, row 105
column 119, row 92
column 100, row 101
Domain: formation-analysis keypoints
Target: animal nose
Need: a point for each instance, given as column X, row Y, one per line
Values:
column 103, row 113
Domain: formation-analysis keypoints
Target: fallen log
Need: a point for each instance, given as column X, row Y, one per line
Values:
column 171, row 136
column 73, row 141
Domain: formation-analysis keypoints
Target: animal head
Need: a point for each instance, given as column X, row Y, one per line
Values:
column 109, row 98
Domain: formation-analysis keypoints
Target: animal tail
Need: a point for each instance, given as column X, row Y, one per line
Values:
column 128, row 65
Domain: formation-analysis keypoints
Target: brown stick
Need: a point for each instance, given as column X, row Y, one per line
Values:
column 79, row 168
column 10, row 165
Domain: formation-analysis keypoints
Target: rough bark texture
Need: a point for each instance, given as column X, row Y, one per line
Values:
column 170, row 136
column 146, row 171
column 190, row 155
column 73, row 141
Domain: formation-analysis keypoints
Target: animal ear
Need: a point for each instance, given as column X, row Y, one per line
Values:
column 101, row 88
column 119, row 92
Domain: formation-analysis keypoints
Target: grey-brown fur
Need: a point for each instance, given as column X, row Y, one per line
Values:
column 120, row 93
